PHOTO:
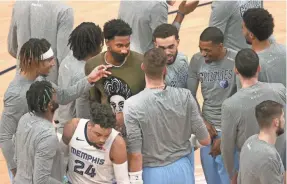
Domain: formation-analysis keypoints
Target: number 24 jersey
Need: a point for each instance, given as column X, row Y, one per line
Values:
column 88, row 164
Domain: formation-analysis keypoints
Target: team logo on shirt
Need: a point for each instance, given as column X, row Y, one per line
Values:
column 117, row 91
column 223, row 84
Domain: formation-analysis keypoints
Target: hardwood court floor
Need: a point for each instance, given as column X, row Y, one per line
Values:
column 101, row 11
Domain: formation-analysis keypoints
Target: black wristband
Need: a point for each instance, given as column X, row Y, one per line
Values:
column 182, row 14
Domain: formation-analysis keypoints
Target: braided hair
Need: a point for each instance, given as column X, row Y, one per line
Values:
column 31, row 51
column 86, row 39
column 38, row 96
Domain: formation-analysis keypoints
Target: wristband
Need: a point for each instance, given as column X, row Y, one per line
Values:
column 136, row 177
column 182, row 14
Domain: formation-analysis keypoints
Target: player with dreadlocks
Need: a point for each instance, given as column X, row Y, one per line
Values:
column 85, row 42
column 38, row 155
column 36, row 59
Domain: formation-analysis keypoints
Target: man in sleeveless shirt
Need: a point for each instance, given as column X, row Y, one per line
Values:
column 97, row 153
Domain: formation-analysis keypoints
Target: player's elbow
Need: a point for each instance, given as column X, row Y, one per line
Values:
column 205, row 142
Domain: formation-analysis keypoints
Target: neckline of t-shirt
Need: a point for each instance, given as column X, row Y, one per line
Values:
column 112, row 64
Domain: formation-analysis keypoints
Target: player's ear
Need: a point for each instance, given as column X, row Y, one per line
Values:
column 142, row 67
column 236, row 71
column 258, row 68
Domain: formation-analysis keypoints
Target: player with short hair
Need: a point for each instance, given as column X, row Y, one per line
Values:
column 85, row 41
column 213, row 68
column 260, row 163
column 166, row 36
column 238, row 112
column 97, row 153
column 127, row 78
column 38, row 155
column 258, row 26
column 159, row 121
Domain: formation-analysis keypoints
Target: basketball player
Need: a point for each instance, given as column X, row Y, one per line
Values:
column 127, row 78
column 52, row 20
column 238, row 112
column 258, row 25
column 97, row 153
column 36, row 60
column 166, row 37
column 85, row 41
column 145, row 16
column 159, row 121
column 213, row 67
column 260, row 163
column 38, row 154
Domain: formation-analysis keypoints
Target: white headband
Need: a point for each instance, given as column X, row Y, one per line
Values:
column 47, row 54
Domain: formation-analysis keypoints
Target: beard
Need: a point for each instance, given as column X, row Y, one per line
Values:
column 169, row 62
column 247, row 41
column 118, row 57
column 280, row 131
column 55, row 106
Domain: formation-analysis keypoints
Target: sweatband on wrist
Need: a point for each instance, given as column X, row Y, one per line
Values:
column 136, row 177
column 121, row 172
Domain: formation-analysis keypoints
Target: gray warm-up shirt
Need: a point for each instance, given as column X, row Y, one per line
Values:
column 260, row 163
column 52, row 20
column 15, row 106
column 159, row 124
column 239, row 121
column 227, row 16
column 273, row 64
column 38, row 155
column 143, row 17
column 217, row 84
column 177, row 72
column 70, row 72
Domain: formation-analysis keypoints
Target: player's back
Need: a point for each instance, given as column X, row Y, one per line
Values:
column 243, row 104
column 273, row 64
column 259, row 163
column 87, row 164
column 167, row 119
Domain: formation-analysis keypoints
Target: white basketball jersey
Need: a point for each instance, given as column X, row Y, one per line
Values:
column 88, row 164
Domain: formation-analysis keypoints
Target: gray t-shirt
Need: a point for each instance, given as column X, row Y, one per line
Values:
column 38, row 154
column 70, row 72
column 217, row 83
column 159, row 124
column 52, row 20
column 239, row 121
column 15, row 105
column 273, row 64
column 260, row 163
column 177, row 72
column 143, row 17
column 227, row 16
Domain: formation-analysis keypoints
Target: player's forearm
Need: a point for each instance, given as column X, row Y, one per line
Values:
column 135, row 162
column 8, row 151
column 227, row 153
column 65, row 96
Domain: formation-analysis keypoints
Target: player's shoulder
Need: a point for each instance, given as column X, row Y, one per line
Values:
column 196, row 59
column 182, row 57
column 231, row 54
column 136, row 57
column 119, row 142
column 273, row 86
column 95, row 61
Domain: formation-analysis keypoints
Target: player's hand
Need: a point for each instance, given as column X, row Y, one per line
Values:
column 13, row 171
column 187, row 8
column 98, row 73
column 215, row 148
column 234, row 178
column 211, row 130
